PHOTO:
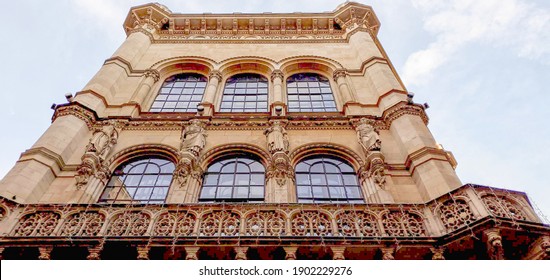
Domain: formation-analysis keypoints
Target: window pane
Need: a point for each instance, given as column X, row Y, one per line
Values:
column 208, row 192
column 241, row 192
column 224, row 192
column 132, row 180
column 337, row 192
column 242, row 179
column 257, row 179
column 304, row 192
column 307, row 88
column 302, row 179
column 350, row 179
column 256, row 192
column 320, row 192
column 226, row 179
column 211, row 180
column 353, row 192
column 334, row 179
column 182, row 87
column 251, row 88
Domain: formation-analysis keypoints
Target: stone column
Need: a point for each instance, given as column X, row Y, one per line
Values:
column 94, row 252
column 143, row 252
column 278, row 95
column 150, row 77
column 343, row 87
column 290, row 252
column 209, row 98
column 338, row 252
column 437, row 253
column 191, row 252
column 45, row 252
column 241, row 253
column 493, row 239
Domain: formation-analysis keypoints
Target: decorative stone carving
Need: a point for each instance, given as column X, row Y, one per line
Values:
column 102, row 142
column 143, row 252
column 403, row 224
column 341, row 73
column 290, row 253
column 193, row 140
column 94, row 252
column 277, row 74
column 175, row 224
column 129, row 224
column 277, row 138
column 192, row 252
column 367, row 136
column 503, row 207
column 265, row 223
column 216, row 75
column 220, row 223
column 361, row 224
column 152, row 73
column 338, row 252
column 455, row 214
column 437, row 253
column 45, row 252
column 387, row 253
column 83, row 224
column 37, row 224
column 241, row 253
column 311, row 223
column 494, row 244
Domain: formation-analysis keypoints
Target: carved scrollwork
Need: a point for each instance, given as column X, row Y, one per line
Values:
column 354, row 223
column 175, row 224
column 403, row 224
column 37, row 224
column 265, row 223
column 455, row 214
column 311, row 223
column 220, row 223
column 152, row 73
column 129, row 224
column 83, row 224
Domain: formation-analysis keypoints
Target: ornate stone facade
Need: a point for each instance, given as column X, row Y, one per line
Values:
column 339, row 166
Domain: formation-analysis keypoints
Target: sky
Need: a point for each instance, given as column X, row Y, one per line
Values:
column 482, row 66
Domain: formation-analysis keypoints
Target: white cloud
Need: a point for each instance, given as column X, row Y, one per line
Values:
column 510, row 24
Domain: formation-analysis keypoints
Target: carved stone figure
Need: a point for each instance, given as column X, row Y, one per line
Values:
column 193, row 138
column 102, row 141
column 367, row 136
column 277, row 139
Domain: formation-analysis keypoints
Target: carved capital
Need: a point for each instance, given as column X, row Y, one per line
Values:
column 191, row 252
column 338, row 252
column 45, row 252
column 277, row 74
column 340, row 73
column 152, row 73
column 143, row 253
column 241, row 253
column 290, row 253
column 215, row 76
column 387, row 253
column 437, row 253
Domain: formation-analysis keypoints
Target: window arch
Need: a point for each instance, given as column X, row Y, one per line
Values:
column 235, row 178
column 327, row 179
column 180, row 93
column 309, row 92
column 245, row 93
column 142, row 180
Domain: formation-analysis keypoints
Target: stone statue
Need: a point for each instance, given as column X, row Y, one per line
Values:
column 193, row 138
column 102, row 141
column 277, row 138
column 367, row 136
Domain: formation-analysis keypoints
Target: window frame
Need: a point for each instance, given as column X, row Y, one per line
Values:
column 299, row 109
column 224, row 98
column 192, row 97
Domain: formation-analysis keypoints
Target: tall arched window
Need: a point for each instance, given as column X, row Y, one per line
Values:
column 144, row 180
column 236, row 178
column 309, row 92
column 180, row 93
column 326, row 179
column 245, row 93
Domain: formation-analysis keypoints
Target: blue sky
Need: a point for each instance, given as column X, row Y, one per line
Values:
column 482, row 66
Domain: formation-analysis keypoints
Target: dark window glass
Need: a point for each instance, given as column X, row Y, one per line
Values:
column 308, row 92
column 180, row 93
column 140, row 181
column 325, row 179
column 239, row 179
column 245, row 93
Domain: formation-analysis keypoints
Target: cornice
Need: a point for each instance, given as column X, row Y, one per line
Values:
column 403, row 108
column 78, row 110
column 163, row 26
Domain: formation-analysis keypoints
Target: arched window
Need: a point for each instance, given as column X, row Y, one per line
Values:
column 245, row 93
column 144, row 180
column 180, row 93
column 236, row 178
column 326, row 179
column 308, row 92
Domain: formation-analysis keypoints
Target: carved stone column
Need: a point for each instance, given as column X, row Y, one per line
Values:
column 387, row 253
column 338, row 252
column 192, row 252
column 45, row 252
column 214, row 80
column 373, row 173
column 150, row 77
column 340, row 79
column 94, row 252
column 188, row 173
column 241, row 253
column 278, row 96
column 280, row 174
column 493, row 239
column 437, row 253
column 290, row 252
column 143, row 252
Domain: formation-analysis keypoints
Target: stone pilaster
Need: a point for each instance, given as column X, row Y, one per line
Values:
column 208, row 100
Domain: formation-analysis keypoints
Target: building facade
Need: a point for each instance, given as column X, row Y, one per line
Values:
column 252, row 136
